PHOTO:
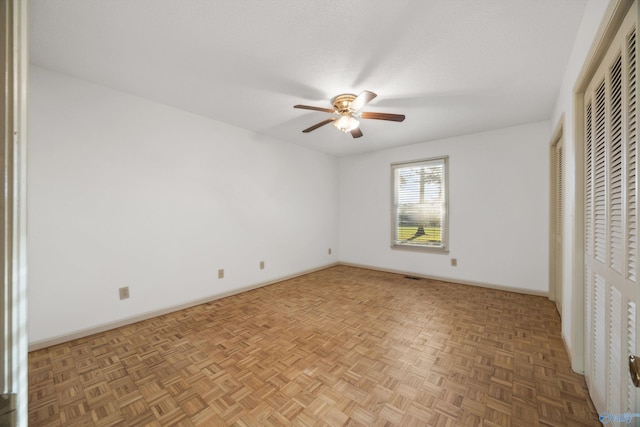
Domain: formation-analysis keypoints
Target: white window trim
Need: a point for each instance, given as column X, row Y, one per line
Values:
column 444, row 249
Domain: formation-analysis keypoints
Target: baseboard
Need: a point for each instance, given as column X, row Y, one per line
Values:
column 451, row 280
column 155, row 313
column 37, row 345
column 568, row 350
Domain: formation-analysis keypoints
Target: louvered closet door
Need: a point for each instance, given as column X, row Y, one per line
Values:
column 559, row 209
column 611, row 237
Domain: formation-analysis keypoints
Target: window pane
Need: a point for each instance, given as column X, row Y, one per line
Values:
column 420, row 204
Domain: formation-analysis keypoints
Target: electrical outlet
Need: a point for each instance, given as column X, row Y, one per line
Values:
column 124, row 292
column 221, row 273
column 261, row 265
column 454, row 262
column 329, row 251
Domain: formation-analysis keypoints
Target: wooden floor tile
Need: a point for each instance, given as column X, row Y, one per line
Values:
column 343, row 346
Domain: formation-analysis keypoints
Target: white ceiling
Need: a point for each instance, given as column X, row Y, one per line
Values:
column 452, row 67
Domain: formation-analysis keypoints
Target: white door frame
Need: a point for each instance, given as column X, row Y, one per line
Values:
column 13, row 219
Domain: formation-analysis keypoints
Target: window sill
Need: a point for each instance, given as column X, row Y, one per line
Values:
column 411, row 248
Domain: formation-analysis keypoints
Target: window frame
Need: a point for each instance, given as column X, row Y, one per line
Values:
column 444, row 233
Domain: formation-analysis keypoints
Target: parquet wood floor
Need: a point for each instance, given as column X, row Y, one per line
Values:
column 342, row 346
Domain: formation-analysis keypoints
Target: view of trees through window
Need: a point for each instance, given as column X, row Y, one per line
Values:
column 420, row 204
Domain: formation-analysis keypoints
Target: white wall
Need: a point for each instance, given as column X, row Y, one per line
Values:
column 127, row 192
column 564, row 116
column 499, row 209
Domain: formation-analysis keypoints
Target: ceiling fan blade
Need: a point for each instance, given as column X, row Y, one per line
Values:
column 356, row 133
column 362, row 99
column 317, row 125
column 309, row 107
column 383, row 116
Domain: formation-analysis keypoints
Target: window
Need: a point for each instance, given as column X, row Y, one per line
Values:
column 420, row 219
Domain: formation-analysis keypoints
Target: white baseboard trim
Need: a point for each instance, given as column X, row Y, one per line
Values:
column 37, row 345
column 450, row 280
column 568, row 350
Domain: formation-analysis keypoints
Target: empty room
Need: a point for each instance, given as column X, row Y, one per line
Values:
column 296, row 212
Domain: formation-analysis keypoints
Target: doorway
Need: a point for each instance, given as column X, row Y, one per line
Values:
column 557, row 220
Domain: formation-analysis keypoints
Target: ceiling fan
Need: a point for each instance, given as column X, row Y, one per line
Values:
column 347, row 107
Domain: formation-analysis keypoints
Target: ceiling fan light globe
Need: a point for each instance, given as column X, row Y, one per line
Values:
column 346, row 123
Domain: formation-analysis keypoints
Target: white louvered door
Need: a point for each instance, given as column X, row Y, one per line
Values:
column 611, row 238
column 559, row 215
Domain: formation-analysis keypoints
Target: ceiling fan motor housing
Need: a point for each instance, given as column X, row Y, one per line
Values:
column 342, row 103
